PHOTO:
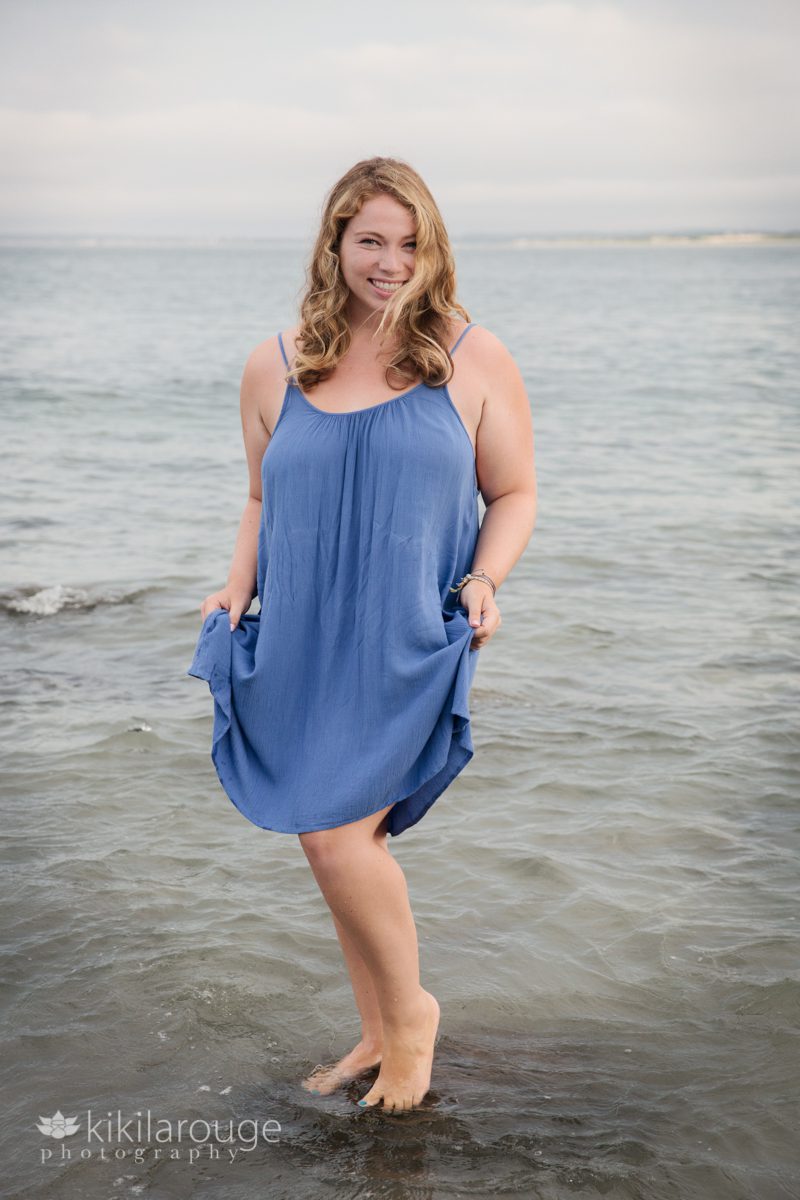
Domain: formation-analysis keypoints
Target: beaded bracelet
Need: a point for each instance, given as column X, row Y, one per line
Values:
column 481, row 575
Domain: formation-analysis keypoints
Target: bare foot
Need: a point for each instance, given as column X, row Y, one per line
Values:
column 405, row 1075
column 325, row 1079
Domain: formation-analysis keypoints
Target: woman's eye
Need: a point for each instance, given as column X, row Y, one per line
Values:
column 364, row 241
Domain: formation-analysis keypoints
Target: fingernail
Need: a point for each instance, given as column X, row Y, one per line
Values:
column 473, row 622
column 315, row 1091
column 232, row 626
column 362, row 1103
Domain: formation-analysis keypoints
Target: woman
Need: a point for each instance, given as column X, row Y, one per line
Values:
column 340, row 709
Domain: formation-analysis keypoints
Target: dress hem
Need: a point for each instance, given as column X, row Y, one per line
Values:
column 212, row 650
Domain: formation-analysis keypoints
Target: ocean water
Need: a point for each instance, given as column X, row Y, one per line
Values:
column 607, row 898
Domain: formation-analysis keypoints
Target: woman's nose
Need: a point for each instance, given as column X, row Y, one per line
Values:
column 389, row 262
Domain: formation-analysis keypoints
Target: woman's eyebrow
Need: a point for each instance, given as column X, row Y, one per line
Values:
column 362, row 232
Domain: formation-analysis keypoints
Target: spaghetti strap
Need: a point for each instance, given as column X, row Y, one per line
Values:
column 283, row 352
column 460, row 336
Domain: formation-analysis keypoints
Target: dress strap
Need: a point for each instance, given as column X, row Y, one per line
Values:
column 283, row 352
column 460, row 336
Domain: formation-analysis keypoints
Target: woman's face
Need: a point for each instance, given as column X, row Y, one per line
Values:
column 377, row 244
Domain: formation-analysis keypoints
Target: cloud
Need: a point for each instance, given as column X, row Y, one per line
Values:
column 515, row 113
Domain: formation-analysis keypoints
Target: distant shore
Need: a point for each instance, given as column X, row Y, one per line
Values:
column 533, row 241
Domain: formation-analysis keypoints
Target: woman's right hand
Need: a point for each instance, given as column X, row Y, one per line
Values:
column 236, row 600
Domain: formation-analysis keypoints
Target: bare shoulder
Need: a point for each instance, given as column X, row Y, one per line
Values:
column 265, row 359
column 486, row 350
column 490, row 367
column 263, row 382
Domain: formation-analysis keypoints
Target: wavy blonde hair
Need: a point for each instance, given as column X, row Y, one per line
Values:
column 418, row 312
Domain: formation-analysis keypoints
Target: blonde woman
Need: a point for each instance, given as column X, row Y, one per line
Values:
column 341, row 708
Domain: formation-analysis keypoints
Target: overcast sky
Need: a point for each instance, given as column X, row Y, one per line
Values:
column 235, row 118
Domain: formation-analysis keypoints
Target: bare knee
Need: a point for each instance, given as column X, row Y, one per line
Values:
column 334, row 850
column 325, row 849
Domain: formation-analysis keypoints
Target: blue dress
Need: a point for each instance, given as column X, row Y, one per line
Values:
column 348, row 691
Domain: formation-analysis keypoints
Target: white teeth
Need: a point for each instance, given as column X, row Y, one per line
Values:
column 385, row 287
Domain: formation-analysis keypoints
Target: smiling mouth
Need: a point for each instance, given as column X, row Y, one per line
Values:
column 387, row 285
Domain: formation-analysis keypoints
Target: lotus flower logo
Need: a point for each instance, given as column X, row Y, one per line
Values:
column 58, row 1126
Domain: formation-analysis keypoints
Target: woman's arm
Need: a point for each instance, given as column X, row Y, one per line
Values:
column 242, row 573
column 506, row 469
column 256, row 380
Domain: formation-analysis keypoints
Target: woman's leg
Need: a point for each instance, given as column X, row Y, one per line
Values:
column 367, row 1053
column 365, row 889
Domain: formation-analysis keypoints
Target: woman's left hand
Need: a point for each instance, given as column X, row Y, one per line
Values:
column 484, row 614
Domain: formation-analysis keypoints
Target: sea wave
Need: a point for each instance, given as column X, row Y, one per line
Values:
column 47, row 601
